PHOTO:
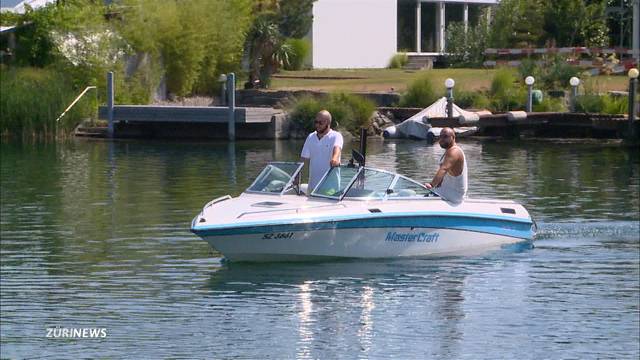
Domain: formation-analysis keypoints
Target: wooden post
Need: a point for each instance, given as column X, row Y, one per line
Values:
column 636, row 32
column 110, row 102
column 633, row 88
column 450, row 102
column 231, row 93
column 418, row 26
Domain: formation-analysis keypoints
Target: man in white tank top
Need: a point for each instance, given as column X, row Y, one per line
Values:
column 450, row 181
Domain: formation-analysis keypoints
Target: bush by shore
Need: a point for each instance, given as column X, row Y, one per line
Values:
column 350, row 112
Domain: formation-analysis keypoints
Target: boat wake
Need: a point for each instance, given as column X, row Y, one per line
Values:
column 618, row 229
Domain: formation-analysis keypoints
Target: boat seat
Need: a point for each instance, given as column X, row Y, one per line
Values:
column 406, row 193
column 275, row 186
column 303, row 188
column 360, row 193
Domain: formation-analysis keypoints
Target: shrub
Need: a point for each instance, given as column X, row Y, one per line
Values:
column 615, row 104
column 420, row 93
column 553, row 74
column 529, row 67
column 557, row 72
column 601, row 104
column 471, row 99
column 504, row 93
column 304, row 112
column 398, row 61
column 514, row 100
column 503, row 82
column 300, row 51
column 589, row 103
column 550, row 104
column 349, row 111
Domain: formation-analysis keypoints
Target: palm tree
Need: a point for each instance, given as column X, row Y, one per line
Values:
column 267, row 49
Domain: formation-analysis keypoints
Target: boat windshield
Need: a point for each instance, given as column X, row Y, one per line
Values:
column 366, row 183
column 370, row 183
column 335, row 182
column 276, row 178
column 407, row 188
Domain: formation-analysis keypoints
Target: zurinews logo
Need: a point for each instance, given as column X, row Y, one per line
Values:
column 76, row 333
column 412, row 237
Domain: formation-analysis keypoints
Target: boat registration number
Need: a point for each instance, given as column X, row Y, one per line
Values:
column 286, row 235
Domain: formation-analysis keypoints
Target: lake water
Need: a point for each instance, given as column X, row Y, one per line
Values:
column 95, row 234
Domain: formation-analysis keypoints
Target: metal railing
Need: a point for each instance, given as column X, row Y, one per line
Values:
column 74, row 102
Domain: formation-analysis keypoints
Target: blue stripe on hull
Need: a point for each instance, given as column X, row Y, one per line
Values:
column 512, row 227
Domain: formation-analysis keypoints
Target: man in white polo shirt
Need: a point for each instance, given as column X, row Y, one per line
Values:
column 322, row 149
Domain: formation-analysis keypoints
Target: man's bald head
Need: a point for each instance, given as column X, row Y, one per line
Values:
column 448, row 132
column 447, row 138
column 323, row 121
column 324, row 115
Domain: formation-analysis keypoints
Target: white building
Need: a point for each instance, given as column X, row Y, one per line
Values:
column 19, row 6
column 367, row 33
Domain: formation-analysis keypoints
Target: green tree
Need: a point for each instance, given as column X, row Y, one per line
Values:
column 264, row 49
column 225, row 48
column 267, row 46
column 194, row 40
column 37, row 29
column 620, row 22
column 295, row 17
column 576, row 23
column 467, row 48
column 521, row 23
column 517, row 23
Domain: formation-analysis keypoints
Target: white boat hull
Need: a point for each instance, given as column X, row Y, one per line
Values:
column 392, row 217
column 356, row 243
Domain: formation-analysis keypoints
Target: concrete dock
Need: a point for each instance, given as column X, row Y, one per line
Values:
column 538, row 124
column 151, row 121
column 211, row 122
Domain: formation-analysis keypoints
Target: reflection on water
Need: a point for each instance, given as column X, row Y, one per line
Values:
column 342, row 305
column 95, row 234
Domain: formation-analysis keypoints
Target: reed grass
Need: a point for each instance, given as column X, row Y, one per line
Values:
column 32, row 98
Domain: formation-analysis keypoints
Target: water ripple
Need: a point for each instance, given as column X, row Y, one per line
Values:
column 96, row 235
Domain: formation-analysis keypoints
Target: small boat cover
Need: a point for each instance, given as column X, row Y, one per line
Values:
column 418, row 127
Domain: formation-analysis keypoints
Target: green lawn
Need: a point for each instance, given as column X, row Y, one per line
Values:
column 386, row 80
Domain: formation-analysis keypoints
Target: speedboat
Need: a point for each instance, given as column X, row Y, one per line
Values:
column 354, row 212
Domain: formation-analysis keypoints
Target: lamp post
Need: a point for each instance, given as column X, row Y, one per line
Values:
column 529, row 80
column 223, row 89
column 449, row 84
column 574, row 82
column 633, row 88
